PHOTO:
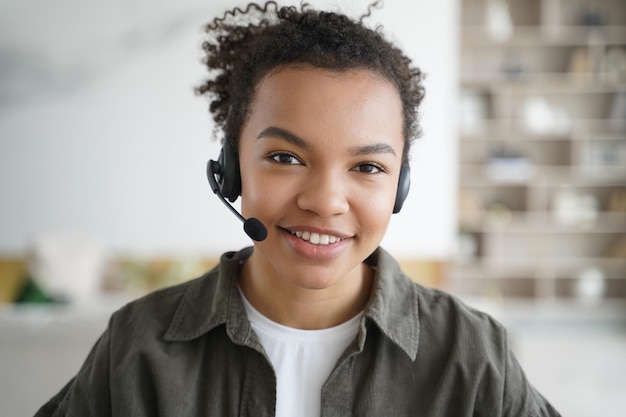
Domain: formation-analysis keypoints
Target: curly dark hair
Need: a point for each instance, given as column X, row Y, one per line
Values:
column 245, row 45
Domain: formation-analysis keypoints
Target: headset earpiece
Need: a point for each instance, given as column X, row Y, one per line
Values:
column 225, row 182
column 229, row 178
column 404, row 183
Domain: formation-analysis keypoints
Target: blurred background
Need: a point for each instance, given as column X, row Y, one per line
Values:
column 518, row 199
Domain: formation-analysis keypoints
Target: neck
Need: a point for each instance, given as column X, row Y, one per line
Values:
column 283, row 301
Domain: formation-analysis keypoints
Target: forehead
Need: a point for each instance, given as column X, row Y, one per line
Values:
column 314, row 102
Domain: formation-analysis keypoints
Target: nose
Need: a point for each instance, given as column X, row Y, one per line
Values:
column 324, row 194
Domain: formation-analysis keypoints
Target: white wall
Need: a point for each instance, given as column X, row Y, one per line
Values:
column 100, row 131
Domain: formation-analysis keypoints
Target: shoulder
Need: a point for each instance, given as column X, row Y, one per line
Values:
column 436, row 304
column 446, row 319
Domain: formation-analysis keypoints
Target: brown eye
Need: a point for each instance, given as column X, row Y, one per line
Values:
column 369, row 168
column 284, row 158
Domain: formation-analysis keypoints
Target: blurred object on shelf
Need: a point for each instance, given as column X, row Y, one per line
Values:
column 572, row 207
column 542, row 118
column 618, row 248
column 13, row 275
column 614, row 65
column 67, row 266
column 604, row 158
column 470, row 209
column 617, row 118
column 590, row 285
column 468, row 247
column 511, row 66
column 591, row 17
column 499, row 23
column 617, row 201
column 537, row 116
column 467, row 202
column 504, row 165
column 499, row 214
column 142, row 275
column 32, row 293
column 580, row 66
column 474, row 111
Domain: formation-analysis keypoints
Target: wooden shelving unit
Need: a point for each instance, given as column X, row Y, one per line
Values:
column 542, row 150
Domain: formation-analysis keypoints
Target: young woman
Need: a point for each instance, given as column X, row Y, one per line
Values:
column 315, row 319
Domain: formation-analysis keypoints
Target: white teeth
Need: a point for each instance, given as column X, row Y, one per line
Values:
column 316, row 238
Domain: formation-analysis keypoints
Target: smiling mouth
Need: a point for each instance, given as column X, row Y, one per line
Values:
column 316, row 238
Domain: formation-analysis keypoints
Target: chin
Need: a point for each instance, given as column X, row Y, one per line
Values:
column 322, row 278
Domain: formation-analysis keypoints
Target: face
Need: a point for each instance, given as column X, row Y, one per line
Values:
column 320, row 156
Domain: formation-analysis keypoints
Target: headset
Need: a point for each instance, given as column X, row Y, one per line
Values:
column 225, row 180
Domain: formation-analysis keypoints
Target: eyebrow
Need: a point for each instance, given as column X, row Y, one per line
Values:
column 281, row 133
column 372, row 149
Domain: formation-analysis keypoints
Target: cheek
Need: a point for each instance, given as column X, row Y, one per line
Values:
column 262, row 195
column 253, row 187
column 375, row 209
column 252, row 192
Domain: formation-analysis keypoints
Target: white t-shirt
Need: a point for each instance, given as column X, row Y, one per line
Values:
column 302, row 360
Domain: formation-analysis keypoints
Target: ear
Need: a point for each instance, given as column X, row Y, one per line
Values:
column 404, row 183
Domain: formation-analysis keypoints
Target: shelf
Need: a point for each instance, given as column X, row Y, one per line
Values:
column 544, row 37
column 559, row 268
column 545, row 83
column 547, row 312
column 43, row 315
column 508, row 135
column 581, row 129
column 540, row 222
column 542, row 147
column 543, row 176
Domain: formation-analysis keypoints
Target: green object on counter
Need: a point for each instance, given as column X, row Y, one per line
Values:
column 32, row 293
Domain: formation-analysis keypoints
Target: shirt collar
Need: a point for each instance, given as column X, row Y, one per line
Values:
column 213, row 301
column 394, row 303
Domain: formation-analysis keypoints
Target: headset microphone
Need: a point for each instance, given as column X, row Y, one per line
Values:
column 252, row 226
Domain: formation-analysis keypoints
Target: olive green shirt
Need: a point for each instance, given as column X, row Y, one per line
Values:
column 189, row 350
